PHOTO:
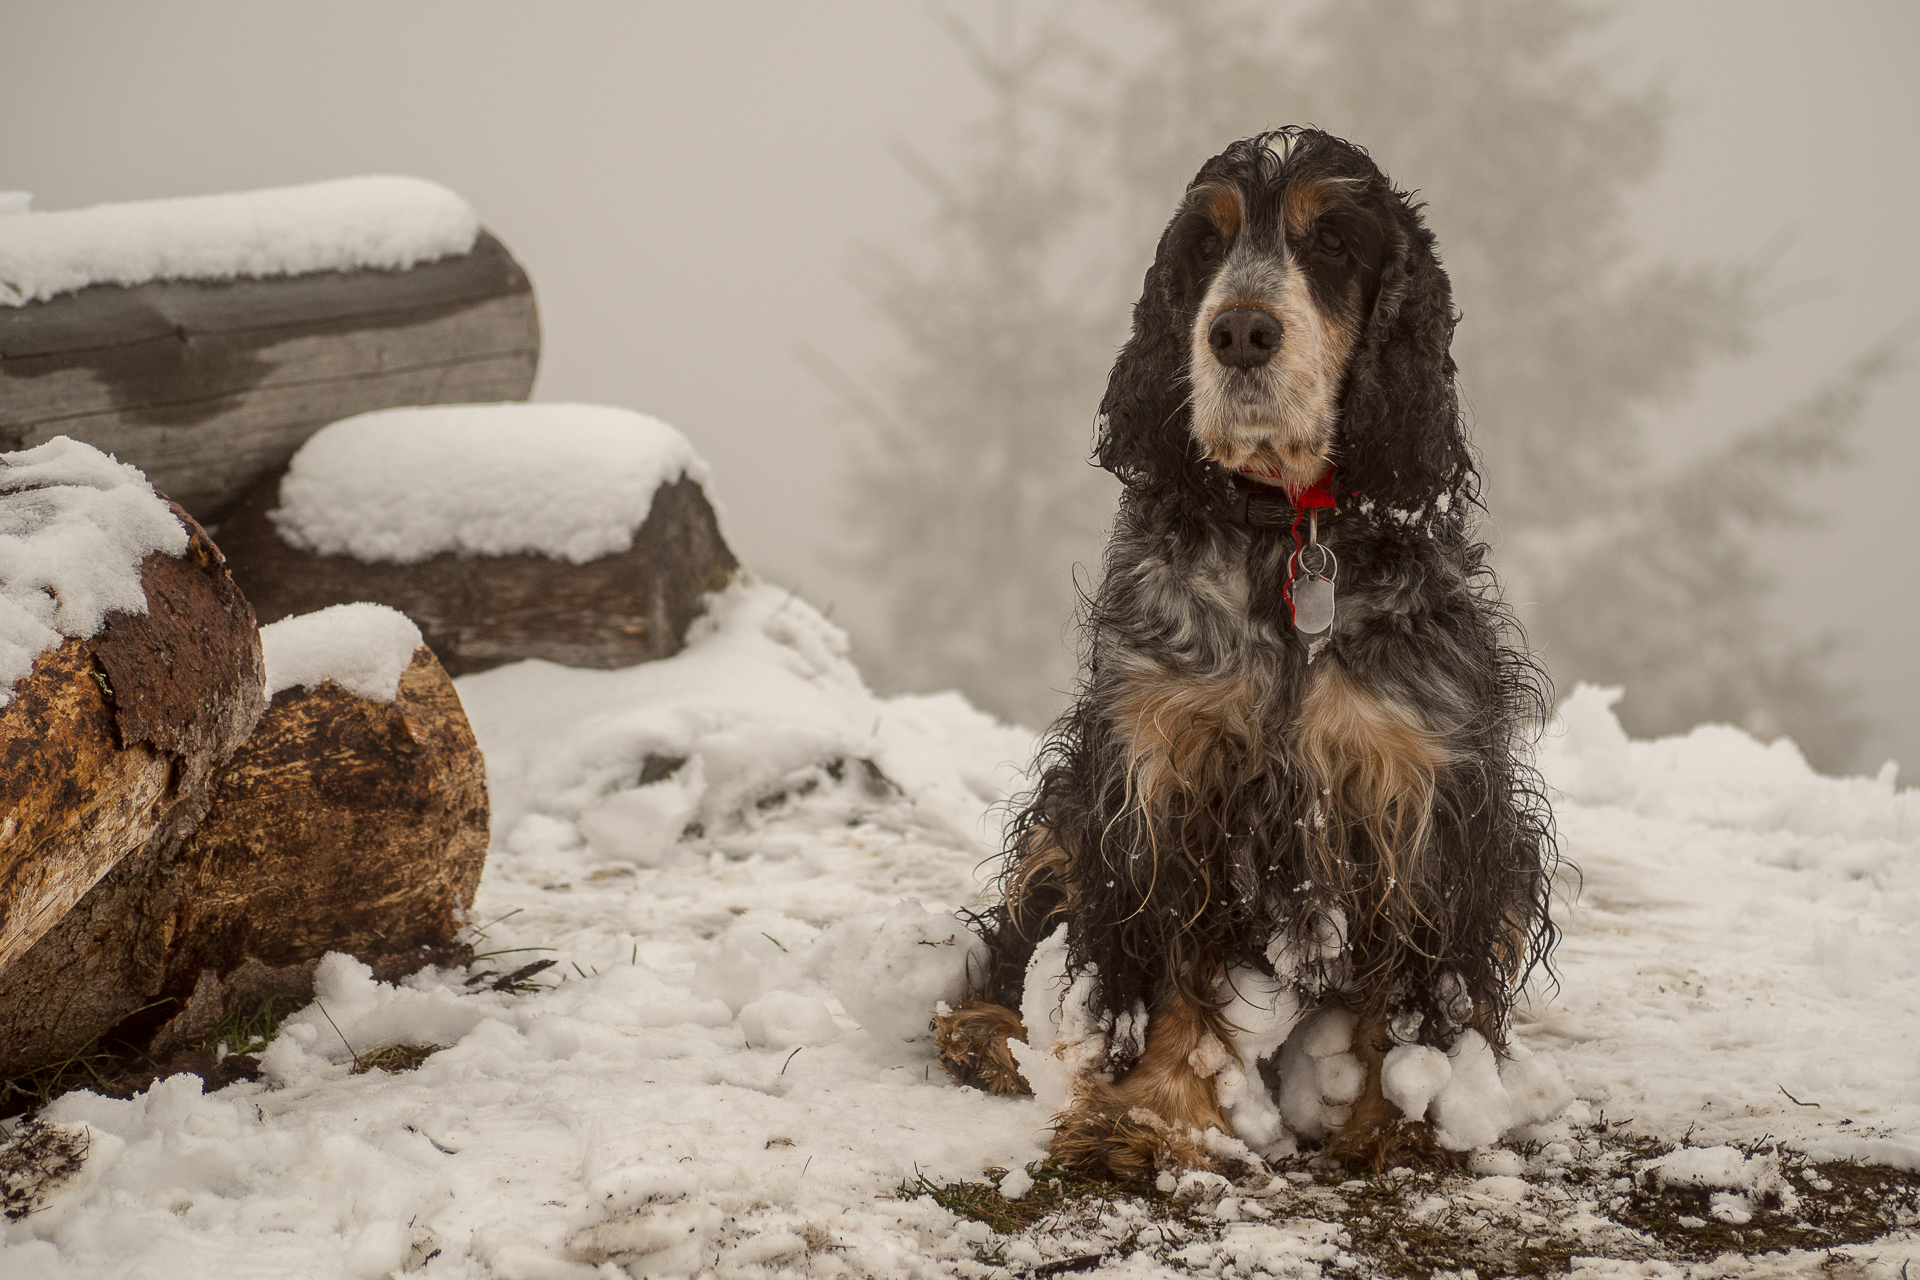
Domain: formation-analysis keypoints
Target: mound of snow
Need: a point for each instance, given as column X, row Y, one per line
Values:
column 1722, row 1168
column 785, row 1020
column 761, row 710
column 572, row 482
column 639, row 824
column 1716, row 775
column 891, row 968
column 74, row 528
column 1741, row 932
column 349, row 223
column 363, row 648
column 1735, row 1180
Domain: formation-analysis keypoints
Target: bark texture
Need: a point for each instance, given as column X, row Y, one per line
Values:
column 106, row 753
column 478, row 612
column 343, row 824
column 210, row 386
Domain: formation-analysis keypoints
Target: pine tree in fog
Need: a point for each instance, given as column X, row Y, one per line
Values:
column 972, row 489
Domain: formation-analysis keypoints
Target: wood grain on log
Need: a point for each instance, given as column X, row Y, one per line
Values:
column 106, row 754
column 210, row 386
column 479, row 612
column 343, row 824
column 78, row 804
column 108, row 744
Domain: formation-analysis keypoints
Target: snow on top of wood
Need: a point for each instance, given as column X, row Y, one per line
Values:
column 75, row 526
column 569, row 481
column 363, row 648
column 348, row 223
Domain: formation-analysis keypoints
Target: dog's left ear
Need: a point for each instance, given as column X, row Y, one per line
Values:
column 1401, row 442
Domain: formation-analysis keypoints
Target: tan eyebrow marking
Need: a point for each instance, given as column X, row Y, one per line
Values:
column 1308, row 199
column 1224, row 207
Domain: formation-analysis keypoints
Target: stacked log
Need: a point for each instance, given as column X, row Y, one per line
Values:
column 351, row 820
column 208, row 386
column 176, row 847
column 483, row 607
column 184, row 832
column 107, row 748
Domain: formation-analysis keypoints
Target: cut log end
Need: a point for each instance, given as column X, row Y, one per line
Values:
column 344, row 824
column 480, row 612
column 106, row 746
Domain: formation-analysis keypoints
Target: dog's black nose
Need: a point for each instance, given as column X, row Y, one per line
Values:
column 1244, row 337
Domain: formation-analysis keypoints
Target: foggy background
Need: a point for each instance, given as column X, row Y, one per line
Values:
column 707, row 197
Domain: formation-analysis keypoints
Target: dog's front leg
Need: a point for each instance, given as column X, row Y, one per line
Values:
column 1039, row 890
column 1376, row 1135
column 1154, row 1117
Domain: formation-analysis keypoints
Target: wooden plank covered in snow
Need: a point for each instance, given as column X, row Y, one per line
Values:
column 210, row 386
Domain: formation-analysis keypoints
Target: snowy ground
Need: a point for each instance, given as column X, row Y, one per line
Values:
column 717, row 1073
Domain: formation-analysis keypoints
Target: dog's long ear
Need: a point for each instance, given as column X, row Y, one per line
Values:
column 1145, row 434
column 1401, row 442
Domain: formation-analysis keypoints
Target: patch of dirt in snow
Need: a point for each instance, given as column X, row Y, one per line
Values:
column 39, row 1160
column 1594, row 1201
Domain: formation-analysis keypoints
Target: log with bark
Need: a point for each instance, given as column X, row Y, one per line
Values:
column 174, row 847
column 210, row 386
column 106, row 751
column 479, row 612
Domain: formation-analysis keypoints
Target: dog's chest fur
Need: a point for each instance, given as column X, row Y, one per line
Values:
column 1192, row 629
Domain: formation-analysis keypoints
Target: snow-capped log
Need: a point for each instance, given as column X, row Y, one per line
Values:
column 132, row 669
column 354, row 819
column 193, row 810
column 580, row 534
column 204, row 339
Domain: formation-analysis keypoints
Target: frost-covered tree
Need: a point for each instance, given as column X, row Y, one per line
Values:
column 970, row 487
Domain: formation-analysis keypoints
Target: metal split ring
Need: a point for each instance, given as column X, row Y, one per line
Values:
column 1328, row 566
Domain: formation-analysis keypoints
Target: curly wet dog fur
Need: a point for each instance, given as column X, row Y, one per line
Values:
column 1352, row 815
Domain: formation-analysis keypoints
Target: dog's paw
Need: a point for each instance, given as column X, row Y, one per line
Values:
column 1377, row 1148
column 973, row 1046
column 1104, row 1136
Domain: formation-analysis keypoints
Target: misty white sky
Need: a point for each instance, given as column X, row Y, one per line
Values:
column 687, row 185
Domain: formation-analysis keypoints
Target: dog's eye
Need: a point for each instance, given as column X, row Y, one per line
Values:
column 1330, row 241
column 1210, row 246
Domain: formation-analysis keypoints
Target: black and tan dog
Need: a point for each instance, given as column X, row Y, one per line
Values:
column 1301, row 703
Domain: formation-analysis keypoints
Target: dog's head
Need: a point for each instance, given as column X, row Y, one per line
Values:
column 1295, row 316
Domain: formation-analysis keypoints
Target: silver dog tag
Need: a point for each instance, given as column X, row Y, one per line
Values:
column 1312, row 603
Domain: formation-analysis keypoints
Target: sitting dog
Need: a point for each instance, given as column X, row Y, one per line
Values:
column 1298, row 743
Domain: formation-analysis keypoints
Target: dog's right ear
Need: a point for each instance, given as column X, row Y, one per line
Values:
column 1145, row 432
